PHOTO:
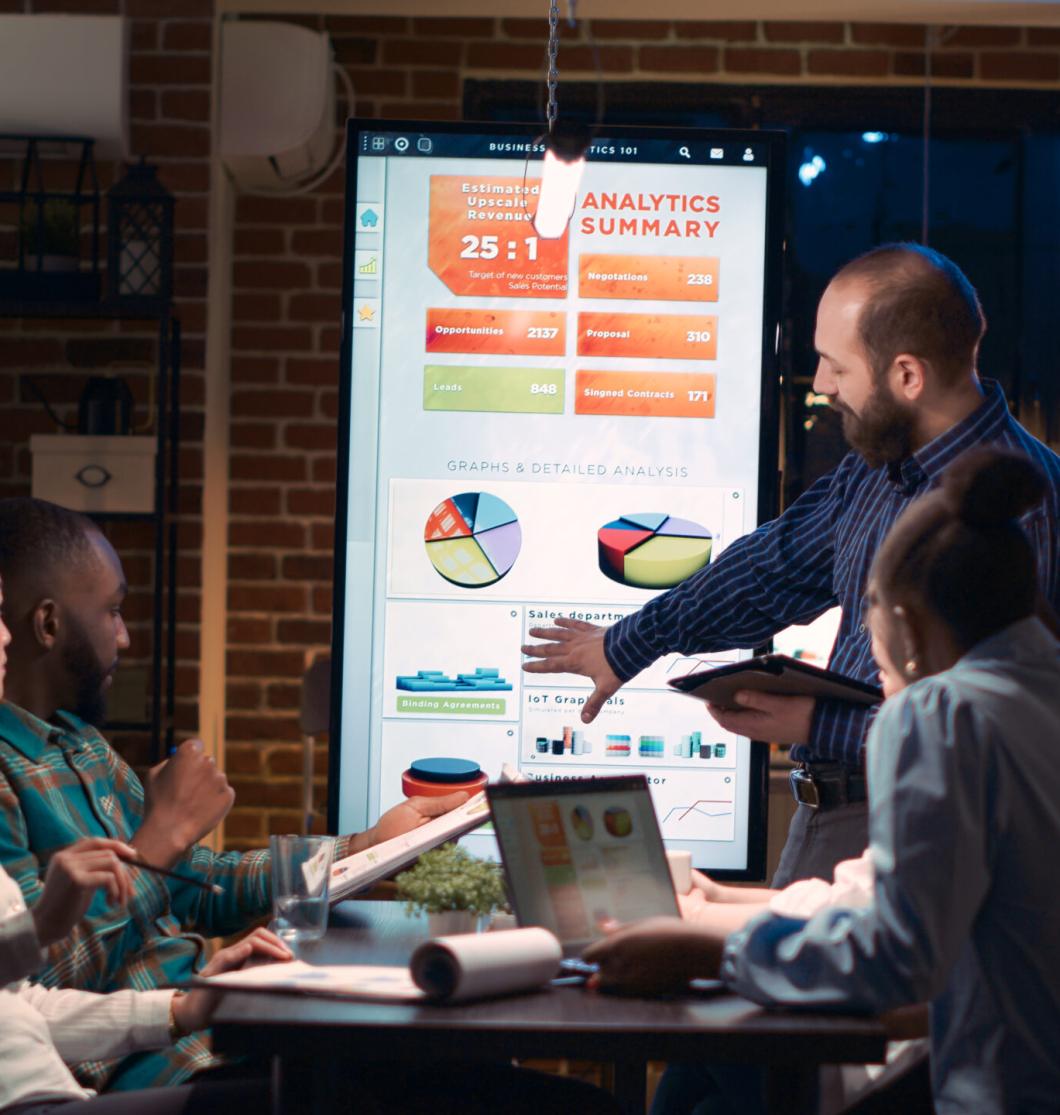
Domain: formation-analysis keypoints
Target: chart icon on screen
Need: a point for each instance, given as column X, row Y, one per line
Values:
column 652, row 550
column 473, row 539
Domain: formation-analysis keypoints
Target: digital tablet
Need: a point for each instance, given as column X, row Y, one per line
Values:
column 774, row 673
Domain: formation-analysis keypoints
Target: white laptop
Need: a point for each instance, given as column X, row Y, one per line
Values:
column 580, row 853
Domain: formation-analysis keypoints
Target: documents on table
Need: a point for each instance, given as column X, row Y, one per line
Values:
column 449, row 969
column 344, row 981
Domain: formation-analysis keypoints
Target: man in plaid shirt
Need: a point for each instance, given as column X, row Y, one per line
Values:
column 61, row 781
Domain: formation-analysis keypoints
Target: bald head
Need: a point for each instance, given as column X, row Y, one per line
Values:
column 916, row 301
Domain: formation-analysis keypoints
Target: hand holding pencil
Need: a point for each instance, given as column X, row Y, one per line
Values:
column 75, row 874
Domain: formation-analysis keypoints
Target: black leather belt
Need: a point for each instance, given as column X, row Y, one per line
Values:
column 827, row 785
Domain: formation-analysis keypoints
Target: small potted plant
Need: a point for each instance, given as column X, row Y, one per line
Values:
column 51, row 236
column 453, row 888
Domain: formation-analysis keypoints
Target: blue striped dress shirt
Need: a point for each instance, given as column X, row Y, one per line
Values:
column 817, row 555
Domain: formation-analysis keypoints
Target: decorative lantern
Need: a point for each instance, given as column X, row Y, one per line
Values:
column 139, row 241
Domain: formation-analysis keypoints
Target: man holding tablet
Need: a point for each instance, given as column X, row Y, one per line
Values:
column 898, row 331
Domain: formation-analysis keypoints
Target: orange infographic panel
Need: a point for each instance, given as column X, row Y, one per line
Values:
column 655, row 336
column 673, row 278
column 645, row 394
column 482, row 242
column 499, row 332
column 548, row 825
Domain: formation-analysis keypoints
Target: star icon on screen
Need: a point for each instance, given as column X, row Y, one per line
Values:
column 367, row 313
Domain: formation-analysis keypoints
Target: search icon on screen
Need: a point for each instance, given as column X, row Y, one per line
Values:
column 684, row 152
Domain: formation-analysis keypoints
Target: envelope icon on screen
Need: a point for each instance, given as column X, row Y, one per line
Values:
column 717, row 152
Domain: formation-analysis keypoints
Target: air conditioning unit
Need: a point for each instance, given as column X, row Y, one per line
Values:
column 64, row 75
column 277, row 103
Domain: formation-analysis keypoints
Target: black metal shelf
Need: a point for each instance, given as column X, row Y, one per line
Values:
column 167, row 489
column 89, row 311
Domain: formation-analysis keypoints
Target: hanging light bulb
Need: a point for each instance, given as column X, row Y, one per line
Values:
column 564, row 165
column 565, row 148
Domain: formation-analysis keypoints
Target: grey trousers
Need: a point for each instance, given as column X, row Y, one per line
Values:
column 819, row 839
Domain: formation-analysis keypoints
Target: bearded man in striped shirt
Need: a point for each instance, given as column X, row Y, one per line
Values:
column 897, row 339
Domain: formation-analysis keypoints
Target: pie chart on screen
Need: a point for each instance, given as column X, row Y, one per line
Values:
column 652, row 549
column 473, row 539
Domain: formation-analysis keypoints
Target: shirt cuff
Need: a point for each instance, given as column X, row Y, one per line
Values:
column 20, row 951
column 626, row 652
column 734, row 943
column 149, row 1019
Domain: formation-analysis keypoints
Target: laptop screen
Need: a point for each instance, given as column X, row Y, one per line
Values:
column 580, row 853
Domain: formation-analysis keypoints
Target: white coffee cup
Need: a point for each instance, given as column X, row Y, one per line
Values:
column 680, row 870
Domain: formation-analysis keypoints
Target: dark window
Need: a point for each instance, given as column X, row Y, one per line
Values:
column 855, row 179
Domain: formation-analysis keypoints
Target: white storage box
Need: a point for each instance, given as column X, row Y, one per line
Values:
column 95, row 474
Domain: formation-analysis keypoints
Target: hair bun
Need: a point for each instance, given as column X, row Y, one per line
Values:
column 992, row 487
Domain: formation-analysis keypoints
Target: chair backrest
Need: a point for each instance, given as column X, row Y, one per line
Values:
column 316, row 697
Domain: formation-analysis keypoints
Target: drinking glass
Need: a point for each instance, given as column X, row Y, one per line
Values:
column 301, row 872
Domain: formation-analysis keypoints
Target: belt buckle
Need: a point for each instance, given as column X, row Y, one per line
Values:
column 804, row 789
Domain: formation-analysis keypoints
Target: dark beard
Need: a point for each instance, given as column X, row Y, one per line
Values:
column 882, row 433
column 82, row 664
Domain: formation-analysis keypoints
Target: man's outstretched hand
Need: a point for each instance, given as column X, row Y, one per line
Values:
column 409, row 815
column 573, row 646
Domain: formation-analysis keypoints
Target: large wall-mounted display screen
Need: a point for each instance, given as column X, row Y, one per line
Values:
column 537, row 428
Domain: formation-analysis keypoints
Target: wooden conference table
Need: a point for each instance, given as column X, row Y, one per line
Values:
column 318, row 1042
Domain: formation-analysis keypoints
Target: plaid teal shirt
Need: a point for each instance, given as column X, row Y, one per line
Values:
column 60, row 782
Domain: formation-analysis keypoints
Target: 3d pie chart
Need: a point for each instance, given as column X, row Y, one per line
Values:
column 473, row 539
column 652, row 550
column 618, row 821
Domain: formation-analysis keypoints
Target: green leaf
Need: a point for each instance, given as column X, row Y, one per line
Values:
column 449, row 878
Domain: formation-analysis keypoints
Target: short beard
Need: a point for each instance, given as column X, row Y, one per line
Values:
column 82, row 664
column 883, row 432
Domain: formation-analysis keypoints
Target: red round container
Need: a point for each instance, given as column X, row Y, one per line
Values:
column 434, row 778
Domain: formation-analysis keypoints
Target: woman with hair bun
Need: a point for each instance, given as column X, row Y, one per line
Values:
column 964, row 796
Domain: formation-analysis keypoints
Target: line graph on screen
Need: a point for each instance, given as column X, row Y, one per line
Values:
column 702, row 819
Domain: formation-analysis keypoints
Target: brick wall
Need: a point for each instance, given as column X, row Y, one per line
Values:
column 170, row 72
column 285, row 335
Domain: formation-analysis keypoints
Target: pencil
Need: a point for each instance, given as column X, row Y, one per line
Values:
column 214, row 888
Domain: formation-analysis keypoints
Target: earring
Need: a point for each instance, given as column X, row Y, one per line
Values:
column 911, row 668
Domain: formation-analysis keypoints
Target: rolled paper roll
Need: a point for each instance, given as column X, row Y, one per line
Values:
column 478, row 965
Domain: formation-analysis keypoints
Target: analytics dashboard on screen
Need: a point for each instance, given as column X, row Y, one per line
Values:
column 534, row 428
